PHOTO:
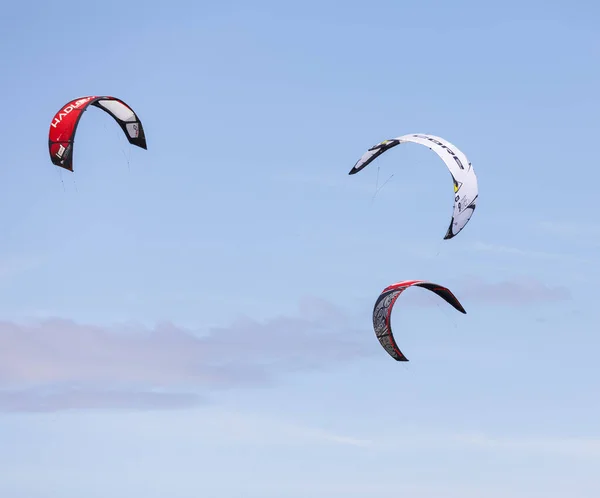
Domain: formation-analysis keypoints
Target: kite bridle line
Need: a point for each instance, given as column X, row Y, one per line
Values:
column 61, row 178
column 119, row 136
column 377, row 188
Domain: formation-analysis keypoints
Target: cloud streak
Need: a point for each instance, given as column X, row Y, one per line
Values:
column 255, row 428
column 547, row 256
column 568, row 446
column 589, row 232
column 13, row 266
column 130, row 367
column 514, row 292
column 582, row 446
column 52, row 399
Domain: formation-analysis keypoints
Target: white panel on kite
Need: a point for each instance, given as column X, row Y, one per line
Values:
column 119, row 109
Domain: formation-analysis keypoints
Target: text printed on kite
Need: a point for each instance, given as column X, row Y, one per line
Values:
column 64, row 125
column 382, row 311
column 466, row 189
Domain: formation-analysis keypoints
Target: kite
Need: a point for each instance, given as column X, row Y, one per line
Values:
column 463, row 175
column 382, row 311
column 65, row 122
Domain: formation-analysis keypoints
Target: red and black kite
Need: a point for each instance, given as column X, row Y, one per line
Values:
column 382, row 312
column 64, row 126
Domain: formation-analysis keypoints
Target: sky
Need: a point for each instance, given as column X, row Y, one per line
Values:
column 195, row 319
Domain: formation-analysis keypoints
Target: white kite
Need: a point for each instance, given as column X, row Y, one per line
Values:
column 463, row 175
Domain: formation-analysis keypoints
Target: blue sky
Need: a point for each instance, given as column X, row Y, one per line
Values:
column 195, row 319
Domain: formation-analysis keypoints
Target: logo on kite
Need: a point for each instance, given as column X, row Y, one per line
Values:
column 61, row 151
column 457, row 185
column 82, row 101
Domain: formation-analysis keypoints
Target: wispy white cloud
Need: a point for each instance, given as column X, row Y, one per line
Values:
column 15, row 265
column 228, row 426
column 575, row 231
column 513, row 292
column 508, row 250
column 104, row 363
column 261, row 429
column 217, row 425
column 516, row 292
column 582, row 446
column 566, row 446
column 60, row 398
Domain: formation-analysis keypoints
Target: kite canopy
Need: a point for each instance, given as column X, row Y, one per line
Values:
column 463, row 175
column 382, row 311
column 65, row 122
